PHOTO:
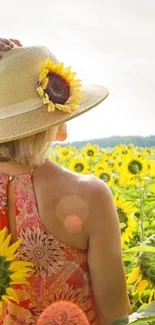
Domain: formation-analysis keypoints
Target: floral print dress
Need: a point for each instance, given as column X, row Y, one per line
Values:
column 60, row 271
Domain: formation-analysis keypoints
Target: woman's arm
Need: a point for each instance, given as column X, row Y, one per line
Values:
column 105, row 257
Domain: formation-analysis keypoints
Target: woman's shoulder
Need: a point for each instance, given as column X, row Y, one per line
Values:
column 87, row 185
column 64, row 192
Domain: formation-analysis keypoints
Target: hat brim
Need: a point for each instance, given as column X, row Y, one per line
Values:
column 40, row 119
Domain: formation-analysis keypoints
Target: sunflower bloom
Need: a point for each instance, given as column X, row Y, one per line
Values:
column 91, row 151
column 143, row 275
column 128, row 223
column 58, row 87
column 134, row 167
column 79, row 165
column 11, row 272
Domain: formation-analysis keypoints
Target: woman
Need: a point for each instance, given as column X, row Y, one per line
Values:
column 68, row 222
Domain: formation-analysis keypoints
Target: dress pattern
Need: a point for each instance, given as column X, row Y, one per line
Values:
column 60, row 271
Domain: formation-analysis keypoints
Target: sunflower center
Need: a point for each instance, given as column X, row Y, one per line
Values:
column 147, row 261
column 79, row 167
column 90, row 153
column 124, row 151
column 122, row 218
column 57, row 89
column 105, row 177
column 135, row 167
column 110, row 163
column 65, row 153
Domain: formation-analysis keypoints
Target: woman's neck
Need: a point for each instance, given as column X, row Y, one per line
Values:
column 13, row 169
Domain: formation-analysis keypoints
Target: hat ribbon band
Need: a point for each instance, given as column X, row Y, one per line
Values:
column 20, row 108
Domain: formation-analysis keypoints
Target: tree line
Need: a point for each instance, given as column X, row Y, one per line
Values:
column 113, row 141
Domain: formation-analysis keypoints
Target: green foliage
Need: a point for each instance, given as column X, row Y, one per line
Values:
column 141, row 249
column 134, row 196
column 144, row 316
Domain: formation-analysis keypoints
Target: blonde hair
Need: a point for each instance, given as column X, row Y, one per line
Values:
column 29, row 151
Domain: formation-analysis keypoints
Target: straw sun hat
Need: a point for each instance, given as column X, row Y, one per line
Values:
column 37, row 92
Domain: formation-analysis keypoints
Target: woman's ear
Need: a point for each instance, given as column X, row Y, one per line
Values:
column 61, row 132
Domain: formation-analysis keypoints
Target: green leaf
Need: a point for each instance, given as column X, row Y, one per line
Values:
column 121, row 321
column 139, row 249
column 146, row 314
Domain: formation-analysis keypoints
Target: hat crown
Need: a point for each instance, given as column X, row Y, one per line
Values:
column 23, row 105
column 19, row 74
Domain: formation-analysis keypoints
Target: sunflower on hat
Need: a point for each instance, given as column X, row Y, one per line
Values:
column 58, row 87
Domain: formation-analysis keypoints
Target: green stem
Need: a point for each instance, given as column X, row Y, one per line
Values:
column 141, row 197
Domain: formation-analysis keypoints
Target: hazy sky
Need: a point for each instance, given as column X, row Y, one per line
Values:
column 109, row 42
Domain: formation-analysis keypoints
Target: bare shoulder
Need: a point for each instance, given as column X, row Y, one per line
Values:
column 62, row 193
column 94, row 191
column 51, row 171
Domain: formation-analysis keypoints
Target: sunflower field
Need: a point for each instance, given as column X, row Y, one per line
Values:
column 130, row 173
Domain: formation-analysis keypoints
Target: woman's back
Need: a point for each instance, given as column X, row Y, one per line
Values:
column 68, row 223
column 55, row 242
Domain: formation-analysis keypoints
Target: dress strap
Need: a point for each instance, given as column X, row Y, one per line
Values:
column 32, row 170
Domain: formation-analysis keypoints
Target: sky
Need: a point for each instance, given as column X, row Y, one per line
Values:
column 106, row 42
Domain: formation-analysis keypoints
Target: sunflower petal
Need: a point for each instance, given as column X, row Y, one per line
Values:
column 43, row 75
column 151, row 295
column 51, row 107
column 76, row 82
column 48, row 64
column 13, row 248
column 45, row 99
column 141, row 287
column 134, row 289
column 139, row 278
column 62, row 68
column 5, row 245
column 133, row 276
column 23, row 281
column 73, row 98
column 12, row 294
column 18, row 276
column 59, row 106
column 74, row 107
column 11, row 258
column 5, row 299
column 67, row 109
column 71, row 76
column 20, row 273
column 45, row 83
column 67, row 72
column 2, row 235
column 20, row 265
column 40, row 91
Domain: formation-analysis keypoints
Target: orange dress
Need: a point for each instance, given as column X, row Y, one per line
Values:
column 60, row 271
